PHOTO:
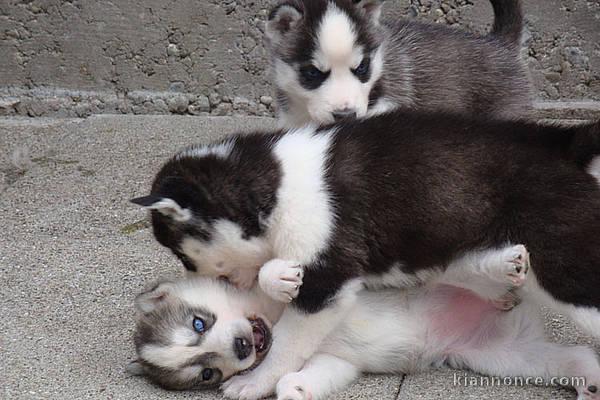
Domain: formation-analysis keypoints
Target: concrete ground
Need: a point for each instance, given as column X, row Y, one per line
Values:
column 74, row 253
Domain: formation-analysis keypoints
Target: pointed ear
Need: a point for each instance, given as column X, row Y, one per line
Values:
column 154, row 298
column 370, row 8
column 146, row 201
column 283, row 18
column 135, row 368
column 165, row 206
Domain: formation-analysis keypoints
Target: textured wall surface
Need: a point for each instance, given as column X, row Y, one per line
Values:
column 79, row 57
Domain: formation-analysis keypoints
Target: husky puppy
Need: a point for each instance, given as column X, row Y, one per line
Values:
column 196, row 333
column 388, row 200
column 334, row 59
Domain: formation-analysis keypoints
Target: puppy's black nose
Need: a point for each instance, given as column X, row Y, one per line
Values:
column 338, row 115
column 242, row 348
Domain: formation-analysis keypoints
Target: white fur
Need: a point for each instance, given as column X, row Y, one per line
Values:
column 299, row 335
column 300, row 226
column 221, row 150
column 316, row 377
column 587, row 318
column 168, row 357
column 392, row 331
column 228, row 254
column 292, row 348
column 336, row 39
column 170, row 208
column 399, row 331
column 488, row 272
column 281, row 279
column 594, row 168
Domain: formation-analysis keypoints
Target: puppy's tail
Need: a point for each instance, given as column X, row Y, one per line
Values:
column 508, row 21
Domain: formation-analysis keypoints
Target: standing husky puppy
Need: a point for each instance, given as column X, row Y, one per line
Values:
column 333, row 59
column 197, row 333
column 389, row 199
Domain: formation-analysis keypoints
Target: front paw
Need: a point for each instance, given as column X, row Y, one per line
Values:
column 292, row 387
column 247, row 387
column 281, row 279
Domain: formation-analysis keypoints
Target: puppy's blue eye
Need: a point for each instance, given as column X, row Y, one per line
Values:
column 207, row 374
column 363, row 67
column 199, row 325
column 311, row 72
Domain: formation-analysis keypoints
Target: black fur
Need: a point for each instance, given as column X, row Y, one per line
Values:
column 420, row 190
column 240, row 189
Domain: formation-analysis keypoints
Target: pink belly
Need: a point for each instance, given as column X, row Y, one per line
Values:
column 458, row 318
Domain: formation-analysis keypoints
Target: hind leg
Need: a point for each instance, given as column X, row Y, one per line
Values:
column 587, row 318
column 492, row 274
column 561, row 227
column 573, row 366
column 522, row 351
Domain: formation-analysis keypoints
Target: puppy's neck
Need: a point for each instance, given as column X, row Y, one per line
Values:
column 265, row 305
column 301, row 223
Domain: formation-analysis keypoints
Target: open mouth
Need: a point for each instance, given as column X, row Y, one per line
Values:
column 262, row 336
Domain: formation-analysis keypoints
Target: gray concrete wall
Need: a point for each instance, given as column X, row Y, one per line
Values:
column 79, row 57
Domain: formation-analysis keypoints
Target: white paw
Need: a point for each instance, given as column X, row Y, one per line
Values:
column 514, row 266
column 292, row 387
column 248, row 387
column 281, row 279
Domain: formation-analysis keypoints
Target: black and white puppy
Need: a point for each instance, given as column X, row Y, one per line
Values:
column 197, row 333
column 333, row 59
column 388, row 201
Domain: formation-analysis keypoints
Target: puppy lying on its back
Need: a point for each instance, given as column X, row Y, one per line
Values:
column 197, row 333
column 389, row 200
column 334, row 59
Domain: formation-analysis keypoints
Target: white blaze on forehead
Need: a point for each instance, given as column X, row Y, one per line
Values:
column 336, row 36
